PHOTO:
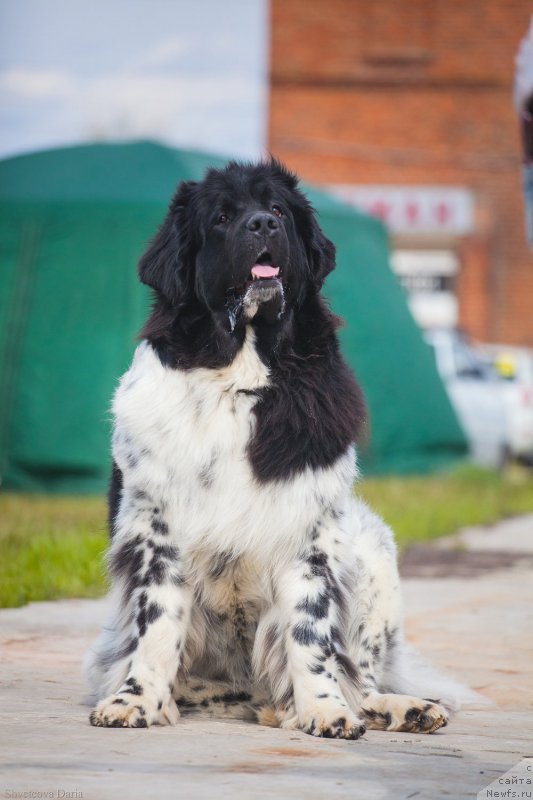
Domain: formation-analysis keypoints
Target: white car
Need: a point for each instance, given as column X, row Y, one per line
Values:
column 514, row 366
column 476, row 394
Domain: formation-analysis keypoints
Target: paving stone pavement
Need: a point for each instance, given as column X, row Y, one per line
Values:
column 478, row 627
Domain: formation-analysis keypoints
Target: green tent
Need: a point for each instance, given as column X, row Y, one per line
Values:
column 73, row 224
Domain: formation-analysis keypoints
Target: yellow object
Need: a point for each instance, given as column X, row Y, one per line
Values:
column 506, row 365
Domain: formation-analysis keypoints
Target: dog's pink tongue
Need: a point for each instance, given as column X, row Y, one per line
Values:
column 264, row 271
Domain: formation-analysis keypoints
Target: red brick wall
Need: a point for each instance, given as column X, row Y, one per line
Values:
column 414, row 92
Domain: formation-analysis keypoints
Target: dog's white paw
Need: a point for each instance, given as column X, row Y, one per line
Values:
column 332, row 721
column 398, row 712
column 131, row 711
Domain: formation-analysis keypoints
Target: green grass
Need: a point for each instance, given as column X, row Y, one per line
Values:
column 52, row 547
column 423, row 508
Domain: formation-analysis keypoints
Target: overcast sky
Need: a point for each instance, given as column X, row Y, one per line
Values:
column 191, row 73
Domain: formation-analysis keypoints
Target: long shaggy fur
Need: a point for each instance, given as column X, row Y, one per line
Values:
column 246, row 576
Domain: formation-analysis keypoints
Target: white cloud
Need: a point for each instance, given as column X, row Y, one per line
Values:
column 140, row 105
column 36, row 83
column 213, row 112
column 190, row 74
column 164, row 53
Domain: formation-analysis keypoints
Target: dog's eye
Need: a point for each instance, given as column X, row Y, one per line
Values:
column 222, row 219
column 277, row 211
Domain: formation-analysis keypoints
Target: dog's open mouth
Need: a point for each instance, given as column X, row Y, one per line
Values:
column 262, row 292
column 260, row 271
column 263, row 271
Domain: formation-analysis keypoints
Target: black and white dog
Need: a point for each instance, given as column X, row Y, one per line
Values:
column 245, row 574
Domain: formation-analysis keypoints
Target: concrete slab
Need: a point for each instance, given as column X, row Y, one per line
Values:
column 478, row 628
column 515, row 537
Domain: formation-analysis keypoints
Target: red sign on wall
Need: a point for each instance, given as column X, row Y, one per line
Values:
column 413, row 209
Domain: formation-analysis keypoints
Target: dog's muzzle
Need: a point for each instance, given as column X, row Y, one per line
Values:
column 261, row 296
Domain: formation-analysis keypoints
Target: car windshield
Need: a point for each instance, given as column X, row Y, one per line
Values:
column 468, row 364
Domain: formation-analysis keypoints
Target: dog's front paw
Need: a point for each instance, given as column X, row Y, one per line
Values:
column 331, row 722
column 342, row 726
column 120, row 711
column 125, row 710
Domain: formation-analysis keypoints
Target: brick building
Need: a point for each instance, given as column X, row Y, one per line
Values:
column 405, row 108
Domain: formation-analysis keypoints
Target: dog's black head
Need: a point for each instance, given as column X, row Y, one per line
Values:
column 244, row 241
column 243, row 247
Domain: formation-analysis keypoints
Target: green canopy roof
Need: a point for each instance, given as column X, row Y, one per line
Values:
column 74, row 223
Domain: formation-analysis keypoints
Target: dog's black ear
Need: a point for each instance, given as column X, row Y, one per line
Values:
column 321, row 254
column 166, row 265
column 320, row 250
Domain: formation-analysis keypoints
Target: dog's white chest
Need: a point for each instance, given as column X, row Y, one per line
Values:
column 183, row 427
column 182, row 437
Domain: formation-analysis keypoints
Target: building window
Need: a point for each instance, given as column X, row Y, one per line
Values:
column 429, row 278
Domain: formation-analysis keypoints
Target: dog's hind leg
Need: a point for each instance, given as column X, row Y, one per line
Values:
column 400, row 691
column 399, row 712
column 408, row 673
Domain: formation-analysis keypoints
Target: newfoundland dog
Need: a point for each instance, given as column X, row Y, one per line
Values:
column 246, row 577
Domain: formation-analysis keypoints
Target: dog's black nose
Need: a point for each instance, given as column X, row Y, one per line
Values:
column 262, row 223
